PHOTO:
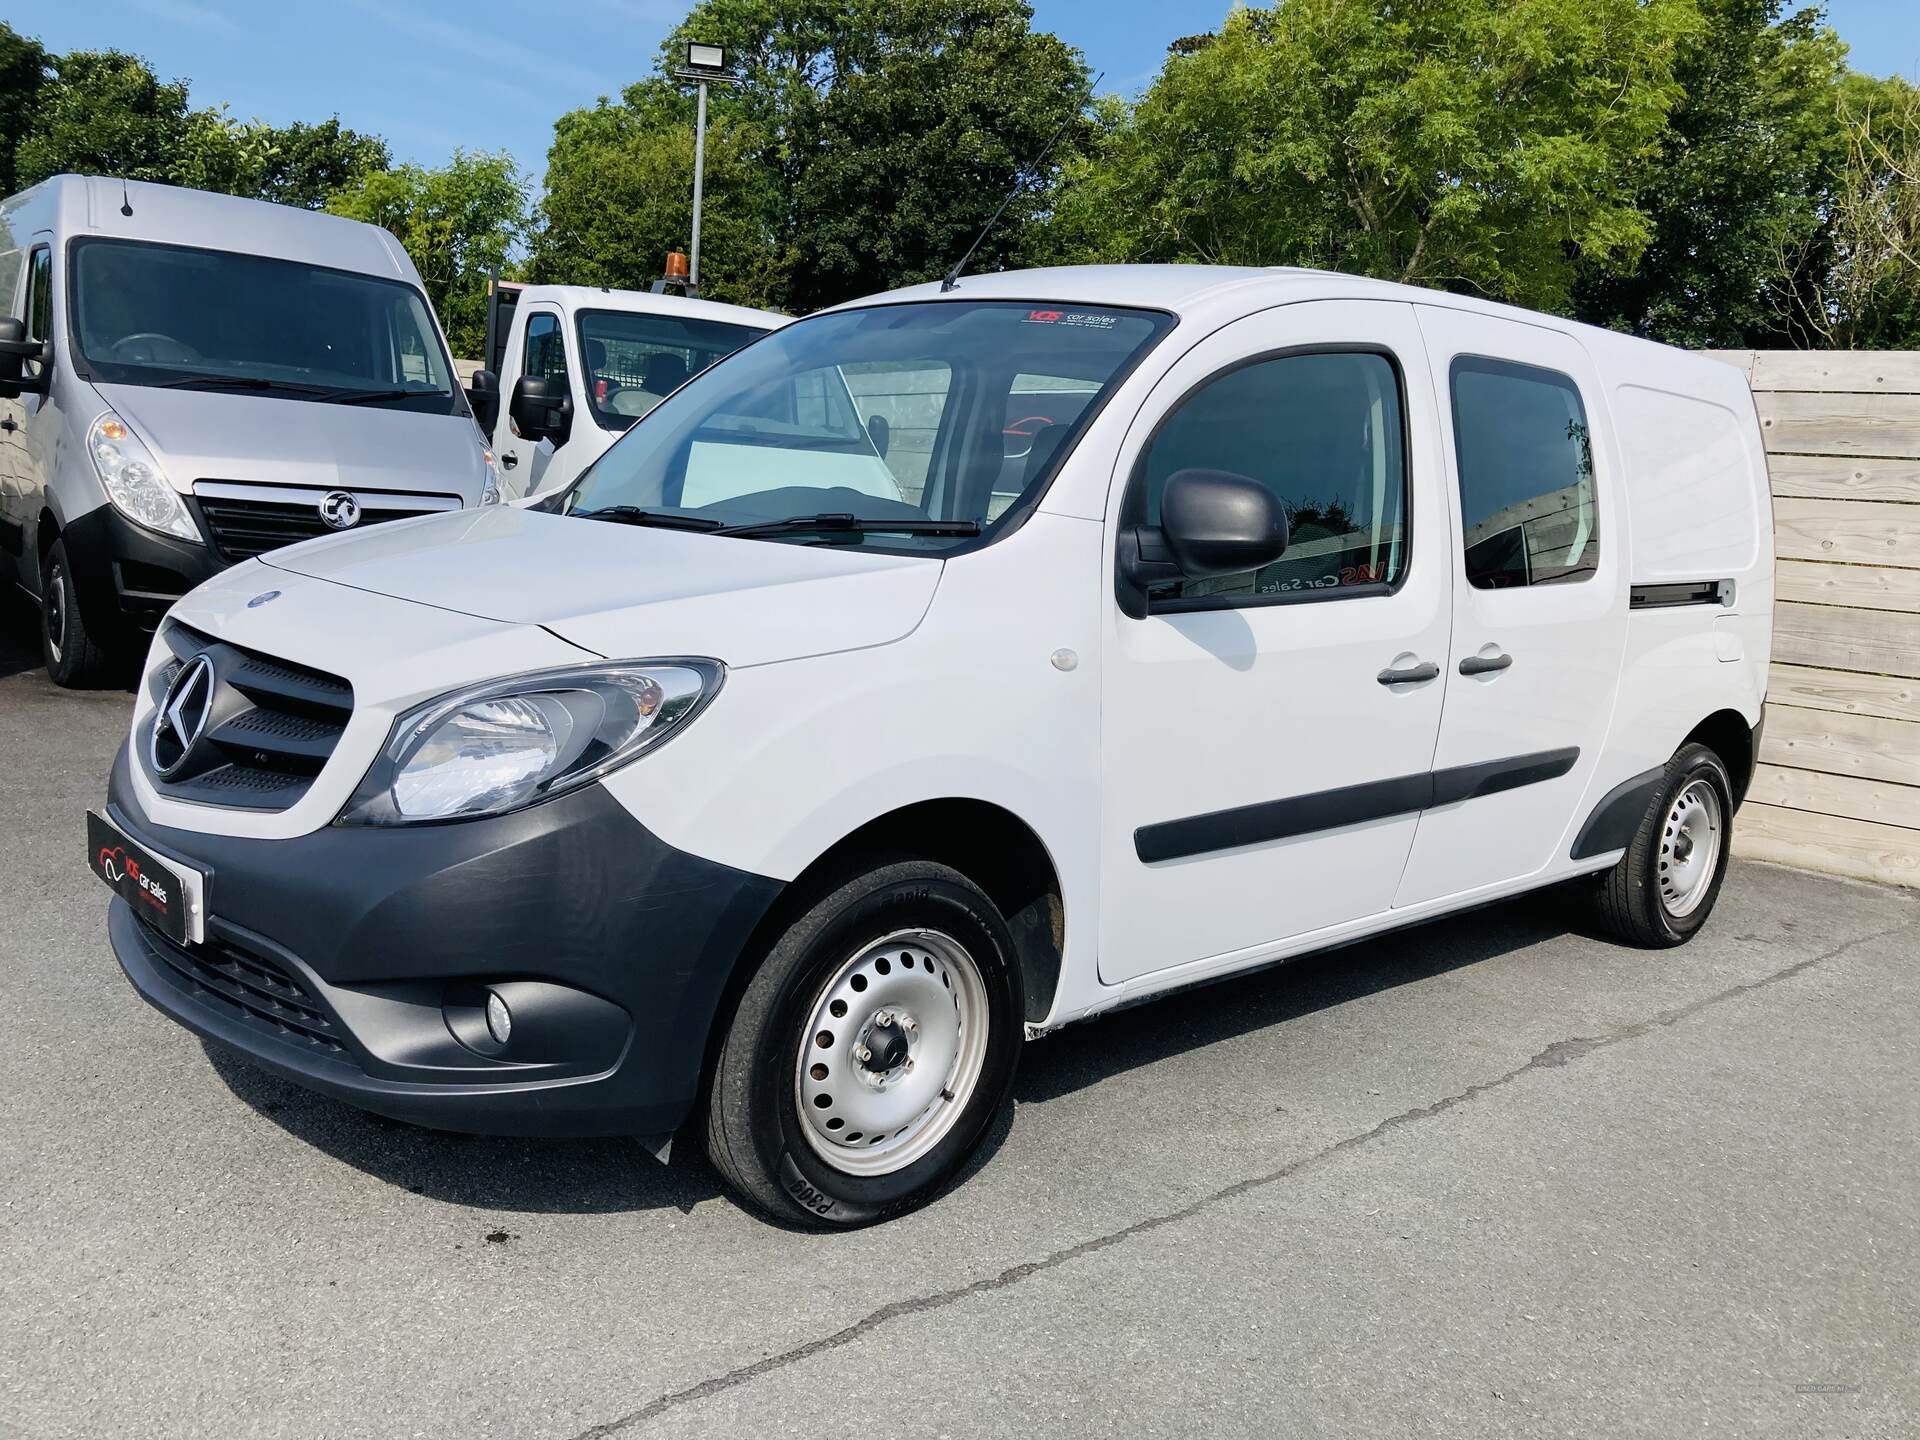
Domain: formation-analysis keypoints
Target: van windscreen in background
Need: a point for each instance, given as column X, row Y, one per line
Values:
column 634, row 361
column 149, row 314
column 910, row 428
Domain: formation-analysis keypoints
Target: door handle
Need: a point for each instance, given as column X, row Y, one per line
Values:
column 1484, row 664
column 1412, row 675
column 6, row 423
column 509, row 459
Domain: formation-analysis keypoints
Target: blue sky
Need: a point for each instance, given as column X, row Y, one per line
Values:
column 433, row 74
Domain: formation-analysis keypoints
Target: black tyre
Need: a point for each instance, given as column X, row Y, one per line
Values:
column 1664, row 887
column 74, row 654
column 870, row 1049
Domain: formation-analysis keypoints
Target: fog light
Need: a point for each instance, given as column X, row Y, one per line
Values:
column 499, row 1019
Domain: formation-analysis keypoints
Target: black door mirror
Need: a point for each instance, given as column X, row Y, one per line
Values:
column 483, row 394
column 1212, row 522
column 15, row 350
column 541, row 409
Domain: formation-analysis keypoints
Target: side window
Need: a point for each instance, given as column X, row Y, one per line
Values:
column 546, row 352
column 1323, row 432
column 40, row 295
column 1526, row 475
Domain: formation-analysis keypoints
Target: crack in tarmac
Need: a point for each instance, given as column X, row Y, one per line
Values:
column 1556, row 1056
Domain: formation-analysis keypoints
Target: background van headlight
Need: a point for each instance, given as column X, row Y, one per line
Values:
column 133, row 479
column 499, row 746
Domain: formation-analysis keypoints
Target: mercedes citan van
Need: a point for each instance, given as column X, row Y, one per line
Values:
column 770, row 789
column 188, row 380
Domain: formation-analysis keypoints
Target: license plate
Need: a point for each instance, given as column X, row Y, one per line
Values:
column 167, row 895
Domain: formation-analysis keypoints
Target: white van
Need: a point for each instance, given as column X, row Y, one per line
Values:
column 1316, row 607
column 580, row 364
column 189, row 380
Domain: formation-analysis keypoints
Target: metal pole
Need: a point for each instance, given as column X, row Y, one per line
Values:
column 699, row 177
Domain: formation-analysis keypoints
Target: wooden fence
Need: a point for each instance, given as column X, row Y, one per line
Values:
column 1838, row 785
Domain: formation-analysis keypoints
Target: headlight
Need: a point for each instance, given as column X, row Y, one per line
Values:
column 490, row 487
column 503, row 745
column 134, row 481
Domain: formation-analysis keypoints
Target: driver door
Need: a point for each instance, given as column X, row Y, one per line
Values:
column 542, row 353
column 1267, row 737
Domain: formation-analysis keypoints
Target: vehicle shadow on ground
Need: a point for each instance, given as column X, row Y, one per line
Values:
column 19, row 637
column 601, row 1176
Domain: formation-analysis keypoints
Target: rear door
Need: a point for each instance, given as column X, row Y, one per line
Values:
column 1539, row 550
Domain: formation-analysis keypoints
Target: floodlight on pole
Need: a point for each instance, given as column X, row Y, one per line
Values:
column 706, row 65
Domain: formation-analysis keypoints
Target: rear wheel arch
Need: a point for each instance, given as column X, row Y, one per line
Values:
column 1728, row 735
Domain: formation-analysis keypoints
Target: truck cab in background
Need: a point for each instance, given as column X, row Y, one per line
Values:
column 571, row 367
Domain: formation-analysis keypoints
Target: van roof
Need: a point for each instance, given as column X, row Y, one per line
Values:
column 91, row 205
column 573, row 298
column 1216, row 294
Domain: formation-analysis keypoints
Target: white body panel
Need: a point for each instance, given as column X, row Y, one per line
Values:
column 861, row 683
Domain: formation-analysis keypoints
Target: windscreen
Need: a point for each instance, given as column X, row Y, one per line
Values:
column 940, row 411
column 633, row 362
column 146, row 314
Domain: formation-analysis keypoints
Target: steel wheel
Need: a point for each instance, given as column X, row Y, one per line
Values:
column 894, row 1049
column 1690, row 848
column 53, row 610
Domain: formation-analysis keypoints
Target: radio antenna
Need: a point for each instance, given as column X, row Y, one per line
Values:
column 126, row 205
column 1020, row 178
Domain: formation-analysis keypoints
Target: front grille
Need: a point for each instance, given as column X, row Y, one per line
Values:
column 270, row 729
column 242, row 526
column 250, row 986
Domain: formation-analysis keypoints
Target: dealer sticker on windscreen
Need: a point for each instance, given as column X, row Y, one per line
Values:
column 1082, row 319
column 156, row 890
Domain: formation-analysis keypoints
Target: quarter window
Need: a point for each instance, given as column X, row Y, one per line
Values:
column 1323, row 433
column 1526, row 475
column 40, row 295
column 546, row 353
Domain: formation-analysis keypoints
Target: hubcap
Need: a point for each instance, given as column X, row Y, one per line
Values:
column 54, row 607
column 1690, row 848
column 895, row 1045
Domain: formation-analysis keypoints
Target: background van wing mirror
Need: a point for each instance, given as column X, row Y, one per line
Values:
column 1212, row 522
column 483, row 394
column 541, row 409
column 15, row 350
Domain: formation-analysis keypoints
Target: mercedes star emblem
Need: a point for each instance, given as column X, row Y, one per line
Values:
column 183, row 716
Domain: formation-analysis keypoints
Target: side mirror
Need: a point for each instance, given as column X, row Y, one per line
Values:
column 1212, row 522
column 483, row 394
column 541, row 409
column 15, row 350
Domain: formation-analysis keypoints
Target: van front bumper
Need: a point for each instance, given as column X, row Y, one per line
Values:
column 358, row 962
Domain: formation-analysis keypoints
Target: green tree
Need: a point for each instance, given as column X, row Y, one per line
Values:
column 456, row 223
column 1748, row 160
column 103, row 112
column 23, row 72
column 106, row 113
column 1855, row 284
column 869, row 143
column 1480, row 145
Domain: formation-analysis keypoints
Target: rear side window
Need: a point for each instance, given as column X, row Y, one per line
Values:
column 546, row 354
column 1323, row 432
column 1526, row 475
column 40, row 295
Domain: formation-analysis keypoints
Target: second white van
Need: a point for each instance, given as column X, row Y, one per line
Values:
column 1202, row 618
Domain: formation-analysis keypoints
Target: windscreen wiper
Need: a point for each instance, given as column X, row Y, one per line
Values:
column 842, row 523
column 240, row 382
column 361, row 397
column 634, row 515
